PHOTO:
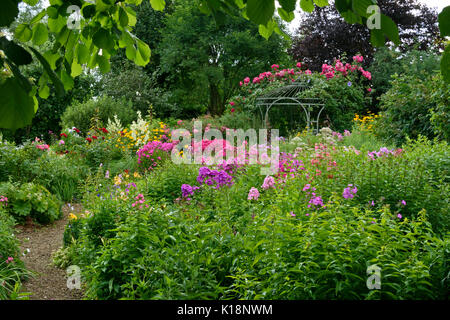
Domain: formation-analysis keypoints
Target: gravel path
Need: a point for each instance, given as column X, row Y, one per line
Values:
column 50, row 283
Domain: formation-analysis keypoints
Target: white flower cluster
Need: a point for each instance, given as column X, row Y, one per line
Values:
column 114, row 126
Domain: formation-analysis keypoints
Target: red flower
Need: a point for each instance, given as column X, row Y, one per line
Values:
column 89, row 140
column 63, row 135
column 232, row 110
column 103, row 138
column 104, row 130
column 77, row 130
column 94, row 137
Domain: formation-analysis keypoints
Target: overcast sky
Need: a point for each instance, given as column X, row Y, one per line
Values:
column 439, row 4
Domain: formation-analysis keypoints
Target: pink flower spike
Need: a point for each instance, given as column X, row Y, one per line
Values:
column 399, row 216
column 404, row 202
column 292, row 214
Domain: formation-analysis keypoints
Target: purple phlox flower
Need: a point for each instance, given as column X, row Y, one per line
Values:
column 253, row 194
column 349, row 192
column 316, row 200
column 188, row 190
column 269, row 182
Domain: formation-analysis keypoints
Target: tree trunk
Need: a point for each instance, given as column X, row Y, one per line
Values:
column 215, row 100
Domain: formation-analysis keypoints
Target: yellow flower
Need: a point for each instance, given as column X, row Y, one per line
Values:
column 72, row 217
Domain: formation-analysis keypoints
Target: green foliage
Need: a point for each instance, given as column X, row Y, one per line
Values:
column 166, row 182
column 444, row 28
column 79, row 115
column 134, row 84
column 59, row 174
column 364, row 141
column 12, row 272
column 31, row 200
column 239, row 120
column 341, row 100
column 9, row 245
column 208, row 73
column 440, row 113
column 387, row 62
column 328, row 256
column 407, row 108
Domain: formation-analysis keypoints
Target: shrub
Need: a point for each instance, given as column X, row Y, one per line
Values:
column 387, row 62
column 408, row 106
column 79, row 115
column 31, row 200
column 18, row 162
column 61, row 175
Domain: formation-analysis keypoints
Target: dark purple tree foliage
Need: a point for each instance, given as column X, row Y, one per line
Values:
column 324, row 35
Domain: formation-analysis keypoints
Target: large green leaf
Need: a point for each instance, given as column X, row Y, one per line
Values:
column 56, row 25
column 307, row 5
column 82, row 53
column 59, row 87
column 360, row 7
column 445, row 64
column 38, row 17
column 24, row 82
column 52, row 57
column 16, row 53
column 390, row 29
column 286, row 16
column 8, row 12
column 40, row 34
column 377, row 38
column 351, row 17
column 103, row 64
column 143, row 53
column 17, row 107
column 321, row 3
column 76, row 69
column 66, row 79
column 123, row 17
column 260, row 11
column 267, row 30
column 23, row 32
column 343, row 5
column 444, row 22
column 158, row 4
column 103, row 39
column 288, row 5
